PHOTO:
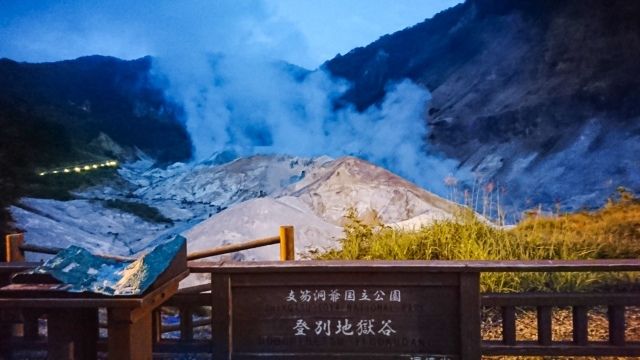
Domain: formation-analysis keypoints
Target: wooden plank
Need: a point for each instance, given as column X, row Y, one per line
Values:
column 418, row 266
column 509, row 325
column 561, row 299
column 469, row 316
column 362, row 279
column 233, row 248
column 40, row 249
column 30, row 323
column 580, row 325
column 287, row 248
column 161, row 292
column 126, row 339
column 186, row 324
column 276, row 313
column 221, row 316
column 196, row 289
column 496, row 348
column 174, row 346
column 616, row 325
column 544, row 324
column 12, row 251
column 16, row 266
column 72, row 334
column 156, row 325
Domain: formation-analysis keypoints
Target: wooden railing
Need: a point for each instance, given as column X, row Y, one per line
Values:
column 15, row 247
column 580, row 305
column 197, row 299
column 285, row 239
column 191, row 307
column 187, row 302
column 506, row 303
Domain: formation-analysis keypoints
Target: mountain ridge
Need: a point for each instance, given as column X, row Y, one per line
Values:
column 516, row 85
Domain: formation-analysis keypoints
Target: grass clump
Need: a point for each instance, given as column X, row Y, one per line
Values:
column 143, row 211
column 611, row 232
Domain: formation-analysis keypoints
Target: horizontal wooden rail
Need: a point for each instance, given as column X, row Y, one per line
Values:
column 195, row 324
column 285, row 239
column 478, row 266
column 233, row 248
column 40, row 249
column 55, row 250
column 196, row 289
column 561, row 299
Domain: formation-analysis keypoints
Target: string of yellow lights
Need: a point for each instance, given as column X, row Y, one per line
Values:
column 79, row 168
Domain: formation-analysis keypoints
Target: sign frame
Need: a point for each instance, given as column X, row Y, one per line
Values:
column 231, row 280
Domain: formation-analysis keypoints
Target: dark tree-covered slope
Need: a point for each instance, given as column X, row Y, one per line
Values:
column 54, row 114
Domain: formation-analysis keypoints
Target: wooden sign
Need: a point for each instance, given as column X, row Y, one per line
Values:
column 317, row 312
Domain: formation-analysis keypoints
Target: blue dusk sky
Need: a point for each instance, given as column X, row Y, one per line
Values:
column 304, row 32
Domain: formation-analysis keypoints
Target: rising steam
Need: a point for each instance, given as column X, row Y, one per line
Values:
column 223, row 63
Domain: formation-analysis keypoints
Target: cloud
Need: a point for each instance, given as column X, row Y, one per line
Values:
column 47, row 30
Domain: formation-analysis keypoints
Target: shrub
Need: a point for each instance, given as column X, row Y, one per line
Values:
column 611, row 232
column 143, row 211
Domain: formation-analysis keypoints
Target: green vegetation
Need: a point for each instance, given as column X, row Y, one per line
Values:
column 611, row 232
column 143, row 211
column 59, row 186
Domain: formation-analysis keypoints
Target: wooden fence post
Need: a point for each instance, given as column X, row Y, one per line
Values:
column 287, row 249
column 12, row 251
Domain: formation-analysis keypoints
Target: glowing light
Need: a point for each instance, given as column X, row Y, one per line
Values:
column 79, row 168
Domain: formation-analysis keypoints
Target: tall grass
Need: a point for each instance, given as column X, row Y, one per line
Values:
column 611, row 232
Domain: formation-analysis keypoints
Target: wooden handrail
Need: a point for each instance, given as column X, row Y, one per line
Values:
column 560, row 299
column 196, row 289
column 225, row 249
column 477, row 266
column 55, row 250
column 40, row 249
column 285, row 239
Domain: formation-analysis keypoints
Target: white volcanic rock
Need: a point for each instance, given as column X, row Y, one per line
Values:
column 260, row 218
column 222, row 185
column 83, row 223
column 241, row 200
column 354, row 183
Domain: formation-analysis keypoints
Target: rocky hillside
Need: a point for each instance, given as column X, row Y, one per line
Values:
column 539, row 97
column 55, row 114
column 372, row 191
column 215, row 204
